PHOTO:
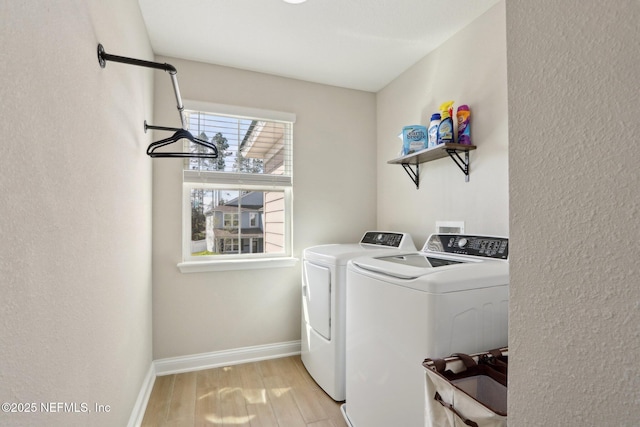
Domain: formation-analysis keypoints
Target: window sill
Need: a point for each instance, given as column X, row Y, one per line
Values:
column 236, row 264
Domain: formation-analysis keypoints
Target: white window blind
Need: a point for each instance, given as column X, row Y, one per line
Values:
column 254, row 147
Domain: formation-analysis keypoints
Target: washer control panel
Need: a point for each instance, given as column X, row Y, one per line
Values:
column 385, row 238
column 480, row 246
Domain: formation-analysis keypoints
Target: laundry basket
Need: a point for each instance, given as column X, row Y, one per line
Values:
column 467, row 390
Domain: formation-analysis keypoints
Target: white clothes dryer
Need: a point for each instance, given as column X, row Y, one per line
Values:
column 324, row 303
column 451, row 297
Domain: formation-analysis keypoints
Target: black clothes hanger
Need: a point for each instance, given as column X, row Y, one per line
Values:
column 179, row 134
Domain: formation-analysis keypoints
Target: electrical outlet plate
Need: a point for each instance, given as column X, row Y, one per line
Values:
column 454, row 227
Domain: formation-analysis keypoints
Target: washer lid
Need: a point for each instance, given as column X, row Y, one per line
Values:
column 409, row 266
column 420, row 260
column 442, row 275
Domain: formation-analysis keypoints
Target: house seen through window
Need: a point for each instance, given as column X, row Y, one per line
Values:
column 240, row 203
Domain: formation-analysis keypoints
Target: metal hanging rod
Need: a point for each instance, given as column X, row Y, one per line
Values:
column 103, row 57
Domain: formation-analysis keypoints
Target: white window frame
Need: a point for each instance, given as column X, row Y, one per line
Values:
column 233, row 243
column 193, row 179
column 235, row 219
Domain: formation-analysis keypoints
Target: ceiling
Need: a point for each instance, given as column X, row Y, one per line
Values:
column 357, row 44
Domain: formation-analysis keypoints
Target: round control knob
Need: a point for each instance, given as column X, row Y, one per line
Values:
column 462, row 242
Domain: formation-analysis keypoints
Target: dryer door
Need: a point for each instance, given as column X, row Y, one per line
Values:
column 317, row 298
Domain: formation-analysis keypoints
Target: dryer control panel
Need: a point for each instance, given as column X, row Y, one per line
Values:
column 462, row 244
column 385, row 238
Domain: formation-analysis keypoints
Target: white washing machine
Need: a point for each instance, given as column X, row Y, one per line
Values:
column 324, row 303
column 451, row 297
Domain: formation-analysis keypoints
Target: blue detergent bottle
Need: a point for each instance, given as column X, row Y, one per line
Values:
column 445, row 128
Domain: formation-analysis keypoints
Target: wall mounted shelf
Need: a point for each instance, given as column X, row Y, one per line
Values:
column 411, row 162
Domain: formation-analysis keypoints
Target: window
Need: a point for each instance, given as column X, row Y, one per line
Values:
column 237, row 208
column 230, row 220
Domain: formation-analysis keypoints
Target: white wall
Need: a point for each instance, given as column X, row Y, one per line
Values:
column 575, row 213
column 75, row 309
column 334, row 202
column 470, row 68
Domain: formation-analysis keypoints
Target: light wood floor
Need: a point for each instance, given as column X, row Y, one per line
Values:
column 277, row 392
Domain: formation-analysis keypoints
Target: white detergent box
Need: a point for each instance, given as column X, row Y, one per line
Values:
column 414, row 138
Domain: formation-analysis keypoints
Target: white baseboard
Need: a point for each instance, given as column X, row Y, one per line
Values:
column 215, row 359
column 135, row 420
column 196, row 362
